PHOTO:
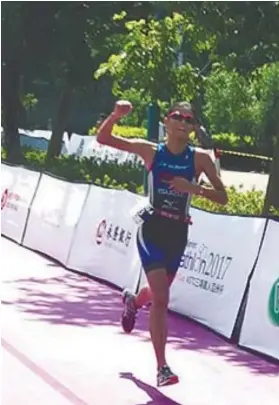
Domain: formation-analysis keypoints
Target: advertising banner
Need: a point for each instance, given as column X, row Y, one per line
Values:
column 260, row 329
column 105, row 240
column 18, row 187
column 54, row 216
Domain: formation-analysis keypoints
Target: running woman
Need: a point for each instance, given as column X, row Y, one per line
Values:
column 174, row 168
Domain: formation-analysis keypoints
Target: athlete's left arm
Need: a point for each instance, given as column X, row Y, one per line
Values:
column 218, row 194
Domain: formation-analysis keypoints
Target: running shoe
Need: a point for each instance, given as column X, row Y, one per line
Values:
column 166, row 377
column 128, row 317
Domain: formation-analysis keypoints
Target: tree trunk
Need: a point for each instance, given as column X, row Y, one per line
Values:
column 60, row 124
column 11, row 104
column 272, row 192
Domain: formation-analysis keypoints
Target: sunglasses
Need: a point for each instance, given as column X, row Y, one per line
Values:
column 178, row 116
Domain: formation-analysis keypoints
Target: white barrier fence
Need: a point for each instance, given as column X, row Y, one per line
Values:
column 18, row 187
column 78, row 146
column 104, row 244
column 39, row 139
column 87, row 146
column 54, row 216
column 260, row 329
column 214, row 270
column 89, row 229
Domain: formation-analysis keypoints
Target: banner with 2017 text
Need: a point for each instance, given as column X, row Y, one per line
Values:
column 260, row 329
column 18, row 187
column 214, row 269
column 104, row 245
column 54, row 215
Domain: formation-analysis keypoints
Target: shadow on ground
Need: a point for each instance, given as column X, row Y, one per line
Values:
column 156, row 397
column 75, row 300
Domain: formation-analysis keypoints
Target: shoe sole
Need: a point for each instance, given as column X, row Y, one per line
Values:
column 129, row 330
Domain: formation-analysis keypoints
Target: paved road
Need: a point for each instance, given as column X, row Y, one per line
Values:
column 245, row 180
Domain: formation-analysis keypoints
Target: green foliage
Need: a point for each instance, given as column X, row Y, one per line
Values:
column 265, row 86
column 148, row 59
column 244, row 105
column 233, row 142
column 274, row 211
column 29, row 101
column 228, row 102
column 125, row 131
column 3, row 154
column 238, row 44
column 247, row 203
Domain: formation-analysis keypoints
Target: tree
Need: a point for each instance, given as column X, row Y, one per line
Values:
column 272, row 192
column 11, row 58
column 27, row 31
column 238, row 43
column 49, row 41
column 228, row 102
column 82, row 30
column 265, row 87
column 148, row 61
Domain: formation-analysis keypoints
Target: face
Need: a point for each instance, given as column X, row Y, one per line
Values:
column 179, row 124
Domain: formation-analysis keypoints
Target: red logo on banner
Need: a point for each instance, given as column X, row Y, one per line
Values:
column 101, row 231
column 4, row 198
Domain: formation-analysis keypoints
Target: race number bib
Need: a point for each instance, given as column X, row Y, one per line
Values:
column 141, row 211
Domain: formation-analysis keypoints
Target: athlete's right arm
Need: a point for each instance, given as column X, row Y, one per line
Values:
column 144, row 149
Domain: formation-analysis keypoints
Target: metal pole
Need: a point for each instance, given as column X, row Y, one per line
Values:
column 153, row 118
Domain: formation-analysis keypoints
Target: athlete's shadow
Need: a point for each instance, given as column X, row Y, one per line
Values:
column 157, row 398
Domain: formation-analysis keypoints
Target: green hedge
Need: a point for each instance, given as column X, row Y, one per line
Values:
column 241, row 203
column 130, row 176
column 106, row 173
column 125, row 131
column 234, row 142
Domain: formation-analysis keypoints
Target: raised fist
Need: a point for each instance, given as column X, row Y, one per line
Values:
column 122, row 108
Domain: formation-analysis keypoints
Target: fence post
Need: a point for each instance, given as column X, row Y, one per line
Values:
column 153, row 118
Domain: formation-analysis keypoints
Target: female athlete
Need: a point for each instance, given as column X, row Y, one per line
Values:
column 174, row 168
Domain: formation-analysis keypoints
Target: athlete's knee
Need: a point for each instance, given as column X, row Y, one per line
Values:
column 160, row 299
column 159, row 286
column 143, row 297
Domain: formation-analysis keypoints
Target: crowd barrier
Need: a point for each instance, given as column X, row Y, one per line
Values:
column 260, row 329
column 39, row 139
column 104, row 242
column 18, row 188
column 90, row 229
column 54, row 216
column 87, row 146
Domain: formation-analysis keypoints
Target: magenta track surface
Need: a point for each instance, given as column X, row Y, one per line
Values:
column 62, row 344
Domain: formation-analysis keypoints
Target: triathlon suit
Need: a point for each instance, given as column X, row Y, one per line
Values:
column 162, row 235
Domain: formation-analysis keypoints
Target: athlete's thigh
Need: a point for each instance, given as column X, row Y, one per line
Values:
column 151, row 252
column 159, row 285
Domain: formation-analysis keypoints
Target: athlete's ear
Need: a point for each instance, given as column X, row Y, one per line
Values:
column 166, row 120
